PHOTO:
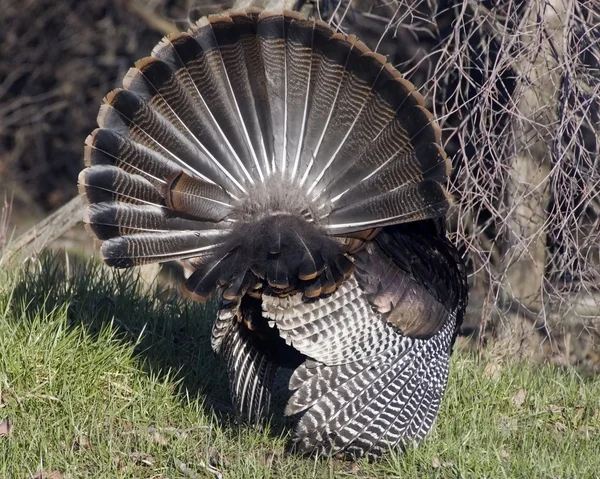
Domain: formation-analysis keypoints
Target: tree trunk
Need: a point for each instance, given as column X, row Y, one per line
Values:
column 528, row 189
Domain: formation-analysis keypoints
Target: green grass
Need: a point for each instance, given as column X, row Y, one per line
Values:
column 100, row 379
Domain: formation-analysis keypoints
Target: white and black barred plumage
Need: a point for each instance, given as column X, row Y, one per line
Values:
column 298, row 174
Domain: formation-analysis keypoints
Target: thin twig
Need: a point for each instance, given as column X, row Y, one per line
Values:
column 43, row 233
column 152, row 19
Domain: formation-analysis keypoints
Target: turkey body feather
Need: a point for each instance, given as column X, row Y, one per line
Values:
column 298, row 175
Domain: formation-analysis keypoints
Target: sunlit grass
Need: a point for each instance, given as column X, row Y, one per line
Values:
column 100, row 378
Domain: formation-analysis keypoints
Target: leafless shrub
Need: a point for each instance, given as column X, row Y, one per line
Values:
column 515, row 86
column 57, row 60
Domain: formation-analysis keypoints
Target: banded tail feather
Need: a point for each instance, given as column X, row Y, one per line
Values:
column 299, row 176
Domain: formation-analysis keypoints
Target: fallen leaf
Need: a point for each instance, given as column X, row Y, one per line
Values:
column 142, row 458
column 519, row 398
column 5, row 428
column 173, row 431
column 554, row 409
column 158, row 438
column 577, row 413
column 47, row 475
column 353, row 468
column 185, row 470
column 436, row 462
column 188, row 472
column 493, row 371
column 587, row 431
column 81, row 442
column 116, row 461
column 559, row 426
column 123, row 425
column 504, row 453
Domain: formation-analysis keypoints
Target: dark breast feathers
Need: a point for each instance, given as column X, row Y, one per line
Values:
column 299, row 176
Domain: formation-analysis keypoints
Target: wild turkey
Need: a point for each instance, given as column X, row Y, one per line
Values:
column 298, row 174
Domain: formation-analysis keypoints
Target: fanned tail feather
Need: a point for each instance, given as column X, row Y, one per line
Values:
column 158, row 85
column 211, row 124
column 333, row 55
column 126, row 113
column 299, row 34
column 236, row 85
column 271, row 34
column 144, row 248
column 246, row 23
column 413, row 202
column 361, row 70
column 107, row 147
column 106, row 183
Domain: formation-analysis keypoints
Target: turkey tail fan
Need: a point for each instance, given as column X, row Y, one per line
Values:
column 251, row 113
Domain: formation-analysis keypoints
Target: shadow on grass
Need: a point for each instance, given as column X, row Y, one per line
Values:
column 170, row 334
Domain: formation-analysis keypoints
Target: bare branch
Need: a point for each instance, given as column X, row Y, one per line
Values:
column 46, row 231
column 151, row 19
